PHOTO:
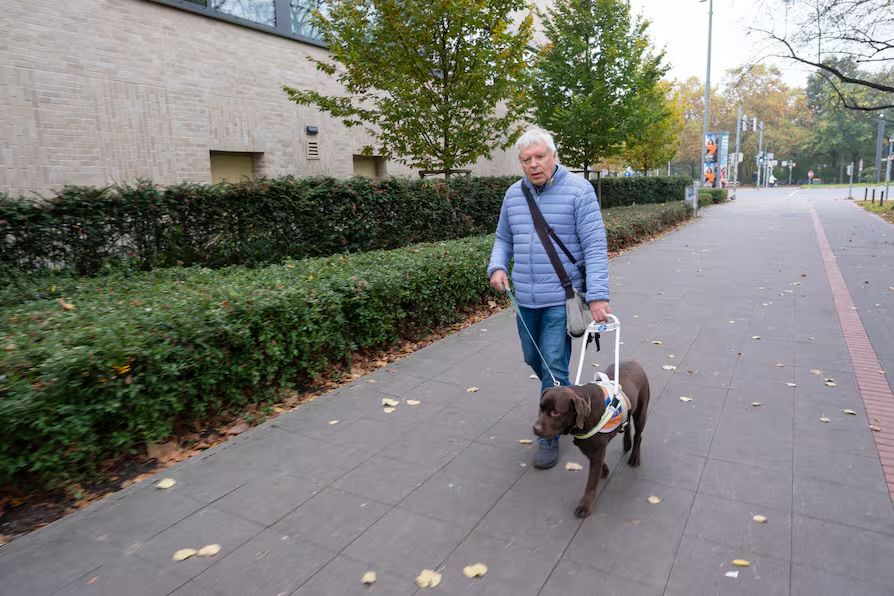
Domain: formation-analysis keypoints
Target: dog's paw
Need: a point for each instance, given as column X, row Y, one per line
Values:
column 633, row 461
column 582, row 511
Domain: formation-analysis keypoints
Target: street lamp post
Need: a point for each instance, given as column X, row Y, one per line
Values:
column 879, row 139
column 888, row 167
column 739, row 118
column 760, row 153
column 701, row 171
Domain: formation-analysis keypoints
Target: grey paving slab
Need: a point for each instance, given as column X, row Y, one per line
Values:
column 385, row 479
column 808, row 580
column 126, row 574
column 268, row 498
column 824, row 544
column 341, row 577
column 735, row 481
column 573, row 578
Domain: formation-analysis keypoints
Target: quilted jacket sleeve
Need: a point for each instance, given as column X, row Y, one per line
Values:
column 502, row 250
column 591, row 232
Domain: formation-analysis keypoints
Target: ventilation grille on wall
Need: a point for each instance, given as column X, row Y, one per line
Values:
column 313, row 150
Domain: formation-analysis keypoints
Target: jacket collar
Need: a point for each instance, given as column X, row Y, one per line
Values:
column 557, row 177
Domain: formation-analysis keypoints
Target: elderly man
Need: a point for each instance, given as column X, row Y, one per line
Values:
column 569, row 206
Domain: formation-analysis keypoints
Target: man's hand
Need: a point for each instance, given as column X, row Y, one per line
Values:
column 598, row 308
column 499, row 280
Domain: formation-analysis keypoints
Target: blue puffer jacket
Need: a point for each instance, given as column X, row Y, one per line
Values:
column 568, row 202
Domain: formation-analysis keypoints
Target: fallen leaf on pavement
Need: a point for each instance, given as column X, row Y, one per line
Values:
column 372, row 381
column 209, row 550
column 93, row 579
column 825, row 418
column 756, row 403
column 669, row 367
column 368, row 578
column 165, row 483
column 685, row 398
column 755, row 337
column 331, row 422
column 831, row 384
column 791, row 384
column 237, row 429
column 428, row 579
column 471, row 389
column 656, row 342
column 741, row 563
column 761, row 519
column 849, row 412
column 780, row 365
column 573, row 467
column 525, row 441
column 654, row 500
column 183, row 554
column 533, row 377
column 875, row 428
column 389, row 409
column 413, row 402
column 476, row 570
column 388, row 402
column 732, row 574
column 816, row 371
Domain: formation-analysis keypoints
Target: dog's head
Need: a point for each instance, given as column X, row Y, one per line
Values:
column 561, row 409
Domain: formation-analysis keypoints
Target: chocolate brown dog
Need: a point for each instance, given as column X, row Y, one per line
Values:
column 578, row 409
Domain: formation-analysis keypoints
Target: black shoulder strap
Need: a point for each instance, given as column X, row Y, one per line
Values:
column 541, row 226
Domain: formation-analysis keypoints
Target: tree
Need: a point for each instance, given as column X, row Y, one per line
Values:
column 589, row 75
column 656, row 139
column 426, row 77
column 819, row 33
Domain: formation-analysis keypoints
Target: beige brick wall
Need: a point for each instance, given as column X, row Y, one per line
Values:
column 100, row 91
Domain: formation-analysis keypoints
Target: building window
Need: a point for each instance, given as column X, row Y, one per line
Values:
column 228, row 166
column 370, row 166
column 289, row 18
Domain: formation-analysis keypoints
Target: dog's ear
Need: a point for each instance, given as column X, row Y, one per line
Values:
column 581, row 408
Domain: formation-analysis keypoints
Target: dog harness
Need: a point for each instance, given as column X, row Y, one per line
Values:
column 617, row 409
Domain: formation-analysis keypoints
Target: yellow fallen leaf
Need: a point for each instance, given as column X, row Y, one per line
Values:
column 756, row 403
column 476, row 570
column 573, row 467
column 815, row 371
column 656, row 342
column 669, row 367
column 368, row 578
column 525, row 441
column 331, row 422
column 741, row 563
column 849, row 412
column 533, row 377
column 685, row 398
column 780, row 365
column 388, row 402
column 165, row 483
column 791, row 384
column 471, row 389
column 654, row 500
column 184, row 553
column 825, row 419
column 761, row 519
column 413, row 402
column 388, row 410
column 755, row 337
column 831, row 384
column 209, row 550
column 428, row 579
column 881, row 372
column 875, row 428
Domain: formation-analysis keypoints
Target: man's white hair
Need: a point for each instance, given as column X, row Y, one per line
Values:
column 535, row 136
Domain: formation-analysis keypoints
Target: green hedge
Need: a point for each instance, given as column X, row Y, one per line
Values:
column 139, row 352
column 712, row 196
column 90, row 231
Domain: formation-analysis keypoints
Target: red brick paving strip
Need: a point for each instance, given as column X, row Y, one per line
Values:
column 874, row 389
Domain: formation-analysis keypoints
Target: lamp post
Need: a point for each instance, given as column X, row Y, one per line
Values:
column 740, row 118
column 701, row 171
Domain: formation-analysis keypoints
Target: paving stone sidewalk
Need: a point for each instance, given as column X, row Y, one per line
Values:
column 301, row 506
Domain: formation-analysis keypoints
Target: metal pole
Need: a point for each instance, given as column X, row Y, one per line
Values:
column 850, row 188
column 790, row 172
column 760, row 151
column 736, row 160
column 878, row 148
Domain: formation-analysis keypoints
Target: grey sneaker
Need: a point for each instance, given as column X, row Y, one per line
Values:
column 547, row 453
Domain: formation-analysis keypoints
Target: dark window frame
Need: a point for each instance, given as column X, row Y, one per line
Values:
column 283, row 26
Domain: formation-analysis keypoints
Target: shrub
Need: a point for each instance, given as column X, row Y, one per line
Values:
column 712, row 196
column 94, row 231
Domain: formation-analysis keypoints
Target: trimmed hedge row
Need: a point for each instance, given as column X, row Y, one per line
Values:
column 712, row 196
column 118, row 360
column 92, row 231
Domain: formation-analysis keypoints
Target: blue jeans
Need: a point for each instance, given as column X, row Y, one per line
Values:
column 547, row 326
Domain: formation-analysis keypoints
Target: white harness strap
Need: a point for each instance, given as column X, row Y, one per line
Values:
column 614, row 417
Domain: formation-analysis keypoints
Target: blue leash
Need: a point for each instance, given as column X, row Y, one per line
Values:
column 528, row 331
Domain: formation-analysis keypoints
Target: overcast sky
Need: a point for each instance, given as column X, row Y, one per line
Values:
column 682, row 27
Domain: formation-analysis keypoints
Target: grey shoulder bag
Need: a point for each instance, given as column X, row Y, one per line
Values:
column 578, row 316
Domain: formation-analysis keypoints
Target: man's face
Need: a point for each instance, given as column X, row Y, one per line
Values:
column 538, row 163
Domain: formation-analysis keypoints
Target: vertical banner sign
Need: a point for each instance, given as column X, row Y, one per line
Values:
column 716, row 160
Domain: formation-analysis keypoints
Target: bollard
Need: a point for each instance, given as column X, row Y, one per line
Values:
column 873, row 196
column 865, row 193
column 881, row 200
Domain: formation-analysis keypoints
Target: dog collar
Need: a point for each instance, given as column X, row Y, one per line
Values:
column 614, row 416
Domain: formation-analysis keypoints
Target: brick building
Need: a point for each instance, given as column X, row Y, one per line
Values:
column 94, row 92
